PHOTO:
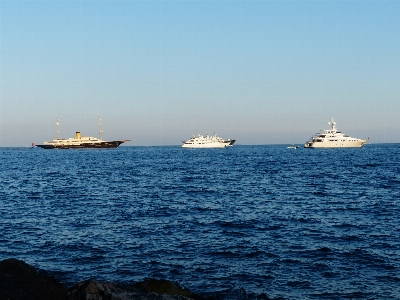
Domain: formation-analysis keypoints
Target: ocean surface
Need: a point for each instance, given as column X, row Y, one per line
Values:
column 280, row 223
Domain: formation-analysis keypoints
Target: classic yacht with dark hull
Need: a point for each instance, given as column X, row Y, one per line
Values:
column 332, row 138
column 207, row 141
column 80, row 141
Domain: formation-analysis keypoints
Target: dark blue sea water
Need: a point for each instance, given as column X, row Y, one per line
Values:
column 283, row 223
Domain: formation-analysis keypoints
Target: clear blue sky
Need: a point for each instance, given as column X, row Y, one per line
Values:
column 263, row 72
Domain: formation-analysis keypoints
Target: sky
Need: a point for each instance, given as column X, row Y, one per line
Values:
column 158, row 72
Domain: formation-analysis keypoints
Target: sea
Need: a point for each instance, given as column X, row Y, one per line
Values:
column 275, row 222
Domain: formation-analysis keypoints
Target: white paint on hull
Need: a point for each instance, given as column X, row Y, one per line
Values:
column 355, row 144
column 207, row 145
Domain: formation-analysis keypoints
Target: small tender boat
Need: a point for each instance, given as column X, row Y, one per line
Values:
column 332, row 138
column 207, row 141
column 292, row 147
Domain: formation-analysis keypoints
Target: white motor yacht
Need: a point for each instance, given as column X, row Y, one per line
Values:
column 207, row 141
column 332, row 138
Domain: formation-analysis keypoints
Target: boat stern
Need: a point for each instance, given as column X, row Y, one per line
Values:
column 308, row 144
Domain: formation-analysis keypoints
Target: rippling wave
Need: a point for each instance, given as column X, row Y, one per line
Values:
column 280, row 223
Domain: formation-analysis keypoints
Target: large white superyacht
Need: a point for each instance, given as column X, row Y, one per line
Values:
column 208, row 141
column 332, row 138
column 80, row 141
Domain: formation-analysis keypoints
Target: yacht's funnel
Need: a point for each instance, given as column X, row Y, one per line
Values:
column 78, row 135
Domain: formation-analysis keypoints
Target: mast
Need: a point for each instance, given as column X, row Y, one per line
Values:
column 58, row 128
column 333, row 126
column 100, row 130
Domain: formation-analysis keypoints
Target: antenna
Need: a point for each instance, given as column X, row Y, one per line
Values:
column 100, row 130
column 58, row 128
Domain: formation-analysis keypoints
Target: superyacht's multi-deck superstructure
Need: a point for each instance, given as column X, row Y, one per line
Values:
column 80, row 141
column 332, row 138
column 207, row 141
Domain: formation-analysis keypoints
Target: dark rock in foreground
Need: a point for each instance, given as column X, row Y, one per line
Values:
column 20, row 281
column 164, row 287
column 151, row 289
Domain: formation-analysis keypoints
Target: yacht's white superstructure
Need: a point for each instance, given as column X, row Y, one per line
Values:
column 332, row 138
column 207, row 141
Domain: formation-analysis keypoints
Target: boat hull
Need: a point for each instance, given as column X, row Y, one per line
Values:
column 209, row 145
column 338, row 144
